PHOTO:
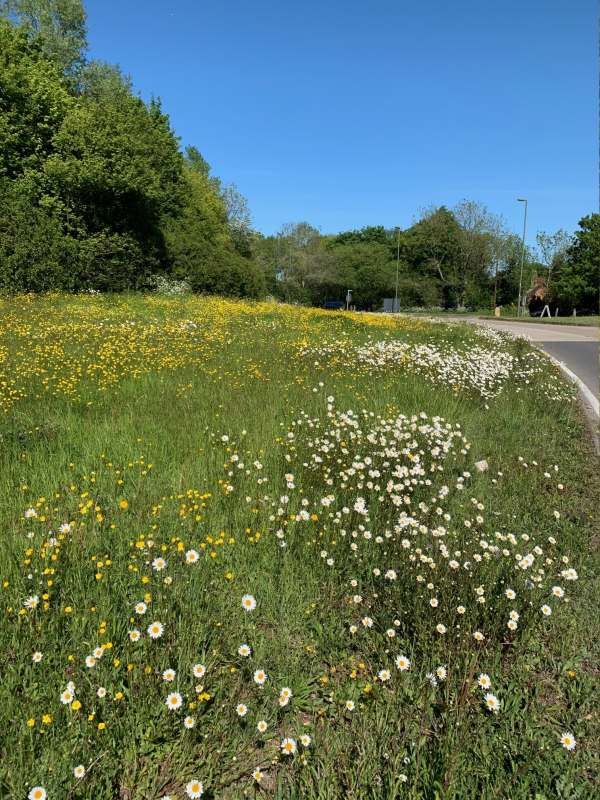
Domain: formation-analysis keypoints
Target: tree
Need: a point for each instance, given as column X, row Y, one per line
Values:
column 577, row 279
column 480, row 234
column 553, row 248
column 58, row 26
column 433, row 246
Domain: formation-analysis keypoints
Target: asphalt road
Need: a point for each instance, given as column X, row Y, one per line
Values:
column 578, row 347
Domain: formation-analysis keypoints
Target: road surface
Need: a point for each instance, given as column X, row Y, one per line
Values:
column 578, row 347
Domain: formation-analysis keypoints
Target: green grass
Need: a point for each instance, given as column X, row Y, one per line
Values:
column 583, row 320
column 107, row 400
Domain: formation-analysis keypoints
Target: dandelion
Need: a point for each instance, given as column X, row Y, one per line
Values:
column 199, row 670
column 241, row 710
column 194, row 789
column 491, row 702
column 174, row 701
column 568, row 741
column 37, row 793
column 169, row 675
column 79, row 771
column 248, row 602
column 244, row 650
column 288, row 746
column 260, row 676
column 155, row 630
column 484, row 681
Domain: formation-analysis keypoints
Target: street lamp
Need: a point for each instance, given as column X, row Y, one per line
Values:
column 522, row 200
column 396, row 309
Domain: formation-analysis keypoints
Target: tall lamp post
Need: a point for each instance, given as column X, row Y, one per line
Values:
column 396, row 308
column 522, row 200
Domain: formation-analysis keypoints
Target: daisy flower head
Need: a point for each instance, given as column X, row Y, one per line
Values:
column 192, row 556
column 546, row 610
column 37, row 657
column 79, row 771
column 64, row 528
column 440, row 628
column 568, row 741
column 199, row 670
column 262, row 726
column 257, row 775
column 156, row 630
column 558, row 591
column 510, row 594
column 134, row 635
column 350, row 705
column 491, row 702
column 159, row 564
column 194, row 789
column 169, row 675
column 37, row 793
column 31, row 602
column 484, row 681
column 384, row 675
column 174, row 701
column 288, row 746
column 478, row 636
column 442, row 673
column 260, row 676
column 141, row 608
column 101, row 692
column 305, row 740
column 98, row 652
column 285, row 695
column 248, row 602
column 402, row 663
column 189, row 722
column 241, row 710
column 67, row 697
column 31, row 513
column 90, row 662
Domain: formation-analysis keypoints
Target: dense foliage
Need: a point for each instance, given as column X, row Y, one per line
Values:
column 96, row 194
column 94, row 191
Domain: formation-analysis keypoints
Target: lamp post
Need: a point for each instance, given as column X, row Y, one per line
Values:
column 396, row 308
column 522, row 200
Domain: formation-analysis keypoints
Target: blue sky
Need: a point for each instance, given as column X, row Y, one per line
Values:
column 351, row 113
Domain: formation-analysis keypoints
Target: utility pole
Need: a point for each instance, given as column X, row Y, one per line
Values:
column 522, row 200
column 396, row 307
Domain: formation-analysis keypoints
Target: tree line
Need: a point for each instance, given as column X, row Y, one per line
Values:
column 97, row 194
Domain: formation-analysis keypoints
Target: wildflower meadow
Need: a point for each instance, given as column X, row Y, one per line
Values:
column 258, row 550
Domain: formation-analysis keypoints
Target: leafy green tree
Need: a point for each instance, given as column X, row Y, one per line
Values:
column 577, row 279
column 57, row 26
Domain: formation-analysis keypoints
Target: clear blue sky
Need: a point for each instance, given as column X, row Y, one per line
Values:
column 347, row 113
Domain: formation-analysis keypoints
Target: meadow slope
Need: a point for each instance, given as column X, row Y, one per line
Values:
column 255, row 550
